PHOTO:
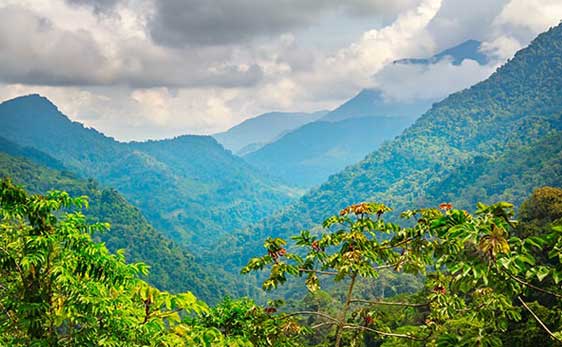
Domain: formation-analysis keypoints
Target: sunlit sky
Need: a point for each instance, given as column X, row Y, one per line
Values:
column 139, row 69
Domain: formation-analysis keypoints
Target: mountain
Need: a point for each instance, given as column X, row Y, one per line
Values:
column 171, row 267
column 31, row 153
column 255, row 132
column 371, row 102
column 499, row 119
column 308, row 155
column 470, row 49
column 189, row 187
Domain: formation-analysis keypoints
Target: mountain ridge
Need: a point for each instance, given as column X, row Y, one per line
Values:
column 187, row 204
column 262, row 129
column 308, row 155
column 516, row 106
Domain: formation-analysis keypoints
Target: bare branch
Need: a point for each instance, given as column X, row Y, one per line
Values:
column 331, row 273
column 389, row 303
column 383, row 333
column 315, row 313
column 527, row 284
column 539, row 321
column 334, row 273
column 316, row 326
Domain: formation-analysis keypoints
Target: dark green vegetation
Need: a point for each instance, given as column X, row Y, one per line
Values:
column 59, row 288
column 308, row 155
column 441, row 277
column 188, row 187
column 256, row 132
column 487, row 280
column 171, row 267
column 509, row 125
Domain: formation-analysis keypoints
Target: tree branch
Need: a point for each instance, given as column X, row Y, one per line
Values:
column 527, row 284
column 383, row 333
column 315, row 313
column 316, row 326
column 332, row 273
column 539, row 320
column 389, row 303
column 345, row 309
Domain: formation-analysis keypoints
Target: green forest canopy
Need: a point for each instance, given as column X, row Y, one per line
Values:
column 488, row 280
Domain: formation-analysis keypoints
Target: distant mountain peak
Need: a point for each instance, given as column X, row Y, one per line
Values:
column 257, row 131
column 35, row 99
column 469, row 49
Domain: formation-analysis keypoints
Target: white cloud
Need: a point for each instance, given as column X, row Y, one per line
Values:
column 519, row 22
column 534, row 16
column 410, row 82
column 103, row 68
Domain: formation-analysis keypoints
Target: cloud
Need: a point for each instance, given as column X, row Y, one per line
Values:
column 343, row 73
column 99, row 6
column 459, row 20
column 519, row 22
column 157, row 68
column 34, row 51
column 411, row 82
column 531, row 16
column 181, row 23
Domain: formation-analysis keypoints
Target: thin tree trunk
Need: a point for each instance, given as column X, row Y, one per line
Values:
column 343, row 316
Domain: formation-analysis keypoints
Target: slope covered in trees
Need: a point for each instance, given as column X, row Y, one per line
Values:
column 172, row 267
column 173, row 182
column 518, row 105
column 58, row 287
column 487, row 280
column 509, row 177
column 308, row 155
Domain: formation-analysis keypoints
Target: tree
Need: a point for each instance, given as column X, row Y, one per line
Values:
column 477, row 276
column 59, row 288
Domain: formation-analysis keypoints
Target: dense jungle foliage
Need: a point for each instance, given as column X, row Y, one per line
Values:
column 487, row 279
column 172, row 267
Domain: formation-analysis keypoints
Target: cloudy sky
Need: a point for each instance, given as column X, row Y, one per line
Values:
column 138, row 69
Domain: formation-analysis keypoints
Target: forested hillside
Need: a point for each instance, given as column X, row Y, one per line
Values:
column 183, row 194
column 517, row 106
column 308, row 155
column 171, row 267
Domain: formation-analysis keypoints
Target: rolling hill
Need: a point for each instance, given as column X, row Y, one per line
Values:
column 171, row 267
column 173, row 182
